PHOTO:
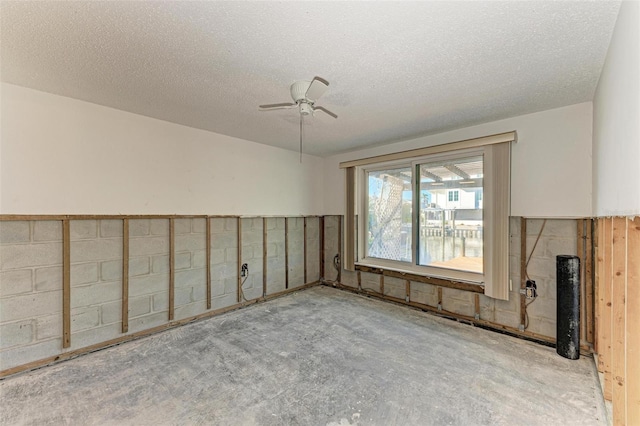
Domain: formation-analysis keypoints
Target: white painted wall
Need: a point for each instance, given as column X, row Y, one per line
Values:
column 550, row 164
column 616, row 121
column 65, row 156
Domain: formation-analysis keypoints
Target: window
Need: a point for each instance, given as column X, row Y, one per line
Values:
column 441, row 213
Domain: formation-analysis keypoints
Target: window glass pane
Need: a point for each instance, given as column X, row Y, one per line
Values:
column 389, row 214
column 450, row 219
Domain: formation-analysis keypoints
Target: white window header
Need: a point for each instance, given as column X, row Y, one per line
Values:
column 451, row 146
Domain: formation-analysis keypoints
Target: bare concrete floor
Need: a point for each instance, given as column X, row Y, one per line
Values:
column 316, row 357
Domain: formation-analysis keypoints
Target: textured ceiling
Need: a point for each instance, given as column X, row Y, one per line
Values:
column 397, row 70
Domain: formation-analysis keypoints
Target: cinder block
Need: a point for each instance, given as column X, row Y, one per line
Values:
column 16, row 333
column 217, row 256
column 49, row 278
column 91, row 336
column 223, row 301
column 230, row 285
column 199, row 293
column 182, row 226
column 559, row 246
column 217, row 288
column 543, row 309
column 349, row 278
column 83, row 229
column 85, row 317
column 199, row 259
column 47, row 230
column 459, row 295
column 542, row 326
column 511, row 305
column 84, row 273
column 49, row 327
column 20, row 355
column 159, row 227
column 275, row 281
column 111, row 270
column 148, row 246
column 458, row 307
column 271, row 223
column 190, row 310
column 30, row 255
column 231, row 255
column 541, row 268
column 111, row 312
column 182, row 296
column 139, row 306
column 95, row 294
column 160, row 264
column 253, row 293
column 182, row 260
column 160, row 301
column 199, row 226
column 224, row 240
column 247, row 254
column 231, row 224
column 190, row 242
column 30, row 305
column 217, row 225
column 14, row 232
column 139, row 227
column 508, row 318
column 191, row 278
column 111, row 228
column 139, row 266
column 96, row 250
column 146, row 322
column 148, row 284
column 15, row 282
column 394, row 288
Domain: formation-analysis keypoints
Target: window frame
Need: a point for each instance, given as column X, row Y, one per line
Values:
column 363, row 218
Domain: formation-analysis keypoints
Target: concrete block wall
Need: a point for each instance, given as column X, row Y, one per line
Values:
column 276, row 260
column 313, row 249
column 296, row 251
column 149, row 273
column 559, row 236
column 30, row 291
column 252, row 255
column 190, row 267
column 332, row 242
column 96, row 281
column 224, row 262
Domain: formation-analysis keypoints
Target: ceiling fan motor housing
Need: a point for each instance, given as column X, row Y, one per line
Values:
column 305, row 108
column 299, row 90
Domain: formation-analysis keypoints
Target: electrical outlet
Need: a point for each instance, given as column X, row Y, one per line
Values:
column 244, row 270
column 531, row 289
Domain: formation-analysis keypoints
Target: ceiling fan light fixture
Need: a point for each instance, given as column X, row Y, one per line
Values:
column 305, row 108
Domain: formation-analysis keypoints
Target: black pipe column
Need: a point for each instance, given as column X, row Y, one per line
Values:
column 568, row 306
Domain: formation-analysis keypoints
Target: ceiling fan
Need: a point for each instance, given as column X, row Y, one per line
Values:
column 304, row 95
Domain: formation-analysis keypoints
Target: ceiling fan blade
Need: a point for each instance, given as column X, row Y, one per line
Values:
column 284, row 105
column 316, row 89
column 326, row 111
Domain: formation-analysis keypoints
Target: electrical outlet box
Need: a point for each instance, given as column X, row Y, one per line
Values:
column 531, row 289
column 244, row 270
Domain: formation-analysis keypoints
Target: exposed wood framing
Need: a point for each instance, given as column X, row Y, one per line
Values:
column 321, row 245
column 440, row 298
column 460, row 285
column 208, row 255
column 239, row 269
column 589, row 282
column 618, row 302
column 264, row 256
column 125, row 275
column 476, row 304
column 66, row 284
column 407, row 289
column 581, row 249
column 340, row 242
column 359, row 275
column 172, row 267
column 381, row 283
column 143, row 333
column 286, row 252
column 305, row 249
column 632, row 399
column 523, row 271
column 606, row 314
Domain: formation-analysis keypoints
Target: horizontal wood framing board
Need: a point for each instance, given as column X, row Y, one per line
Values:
column 435, row 149
column 441, row 282
column 9, row 217
column 122, row 339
